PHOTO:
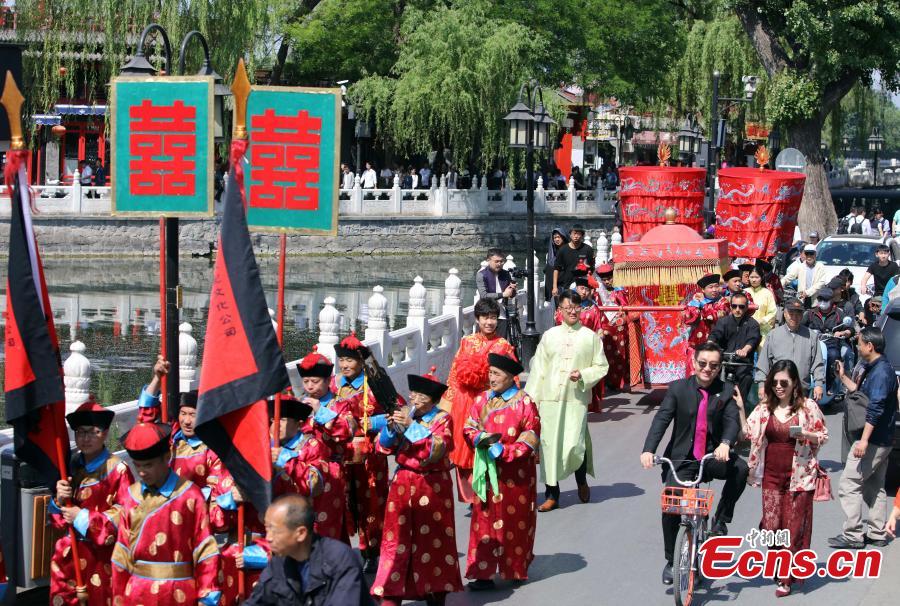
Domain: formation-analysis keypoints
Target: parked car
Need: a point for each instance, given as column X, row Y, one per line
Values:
column 854, row 252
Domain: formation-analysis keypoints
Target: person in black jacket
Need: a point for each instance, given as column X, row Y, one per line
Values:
column 306, row 569
column 691, row 440
column 739, row 334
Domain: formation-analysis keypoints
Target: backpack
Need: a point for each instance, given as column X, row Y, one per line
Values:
column 843, row 226
column 855, row 227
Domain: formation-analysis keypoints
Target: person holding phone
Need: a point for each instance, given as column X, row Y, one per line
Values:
column 786, row 430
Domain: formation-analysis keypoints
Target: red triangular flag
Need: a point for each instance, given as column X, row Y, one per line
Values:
column 242, row 361
column 35, row 396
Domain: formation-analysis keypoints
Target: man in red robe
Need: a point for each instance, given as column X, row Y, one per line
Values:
column 366, row 470
column 614, row 330
column 191, row 459
column 87, row 501
column 504, row 428
column 418, row 555
column 164, row 554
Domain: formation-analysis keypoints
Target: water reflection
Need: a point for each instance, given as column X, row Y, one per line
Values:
column 113, row 305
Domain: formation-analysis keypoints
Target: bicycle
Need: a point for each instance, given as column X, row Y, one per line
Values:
column 693, row 505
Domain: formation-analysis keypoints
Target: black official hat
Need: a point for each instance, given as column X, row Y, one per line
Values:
column 427, row 384
column 582, row 281
column 746, row 267
column 291, row 408
column 708, row 280
column 351, row 347
column 505, row 363
column 731, row 274
column 315, row 364
column 90, row 414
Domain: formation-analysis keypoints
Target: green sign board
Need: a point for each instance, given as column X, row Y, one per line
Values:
column 162, row 146
column 292, row 177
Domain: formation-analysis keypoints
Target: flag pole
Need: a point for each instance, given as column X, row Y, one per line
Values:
column 12, row 101
column 240, row 88
column 163, row 345
column 279, row 320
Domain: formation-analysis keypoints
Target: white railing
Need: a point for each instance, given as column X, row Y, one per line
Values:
column 421, row 343
column 438, row 201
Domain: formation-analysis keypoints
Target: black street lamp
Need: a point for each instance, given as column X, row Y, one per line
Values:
column 361, row 131
column 139, row 66
column 717, row 133
column 845, row 144
column 876, row 142
column 529, row 128
column 220, row 91
column 689, row 140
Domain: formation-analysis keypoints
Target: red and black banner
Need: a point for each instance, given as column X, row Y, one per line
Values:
column 35, row 396
column 242, row 361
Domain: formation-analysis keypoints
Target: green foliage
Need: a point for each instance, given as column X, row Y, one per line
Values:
column 70, row 33
column 342, row 40
column 855, row 117
column 456, row 75
column 792, row 98
column 716, row 45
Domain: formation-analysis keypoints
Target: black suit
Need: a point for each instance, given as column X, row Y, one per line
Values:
column 723, row 424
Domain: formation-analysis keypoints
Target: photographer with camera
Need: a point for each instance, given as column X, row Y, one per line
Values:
column 494, row 282
column 738, row 335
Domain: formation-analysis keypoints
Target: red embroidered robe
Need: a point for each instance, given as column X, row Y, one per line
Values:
column 501, row 536
column 418, row 554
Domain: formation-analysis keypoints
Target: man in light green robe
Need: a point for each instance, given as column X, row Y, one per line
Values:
column 569, row 361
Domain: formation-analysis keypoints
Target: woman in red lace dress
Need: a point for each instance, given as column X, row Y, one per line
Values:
column 782, row 460
column 468, row 378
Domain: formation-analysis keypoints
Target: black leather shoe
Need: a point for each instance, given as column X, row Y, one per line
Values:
column 877, row 542
column 667, row 577
column 842, row 542
column 718, row 529
column 480, row 584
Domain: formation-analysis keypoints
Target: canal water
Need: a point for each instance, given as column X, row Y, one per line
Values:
column 112, row 306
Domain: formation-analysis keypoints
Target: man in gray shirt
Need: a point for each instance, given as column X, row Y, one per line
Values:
column 791, row 341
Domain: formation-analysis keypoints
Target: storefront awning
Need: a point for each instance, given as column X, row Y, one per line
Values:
column 80, row 110
column 47, row 119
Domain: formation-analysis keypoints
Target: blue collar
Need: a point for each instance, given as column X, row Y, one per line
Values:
column 167, row 488
column 94, row 465
column 193, row 442
column 355, row 383
column 292, row 443
column 428, row 416
column 587, row 303
column 326, row 399
column 506, row 395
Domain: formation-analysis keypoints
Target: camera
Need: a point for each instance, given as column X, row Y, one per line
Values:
column 518, row 273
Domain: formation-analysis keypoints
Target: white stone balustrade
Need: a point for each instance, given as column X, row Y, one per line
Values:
column 76, row 377
column 602, row 248
column 421, row 343
column 187, row 358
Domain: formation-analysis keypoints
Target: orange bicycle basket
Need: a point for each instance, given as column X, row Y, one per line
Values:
column 686, row 501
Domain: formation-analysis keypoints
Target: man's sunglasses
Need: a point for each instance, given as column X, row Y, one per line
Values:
column 738, row 306
column 712, row 365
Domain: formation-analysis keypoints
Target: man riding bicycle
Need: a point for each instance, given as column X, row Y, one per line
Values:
column 706, row 397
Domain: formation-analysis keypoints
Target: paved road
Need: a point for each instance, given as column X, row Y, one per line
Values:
column 610, row 550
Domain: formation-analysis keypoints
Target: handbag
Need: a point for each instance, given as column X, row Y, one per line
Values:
column 823, row 485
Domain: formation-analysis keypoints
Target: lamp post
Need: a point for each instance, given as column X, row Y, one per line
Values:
column 529, row 127
column 717, row 133
column 138, row 66
column 876, row 142
column 689, row 140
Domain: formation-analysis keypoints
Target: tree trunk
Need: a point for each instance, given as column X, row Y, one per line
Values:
column 817, row 209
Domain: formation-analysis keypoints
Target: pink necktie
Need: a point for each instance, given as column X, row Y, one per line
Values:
column 700, row 432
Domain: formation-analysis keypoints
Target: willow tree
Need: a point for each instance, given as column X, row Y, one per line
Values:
column 457, row 74
column 74, row 47
column 814, row 52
